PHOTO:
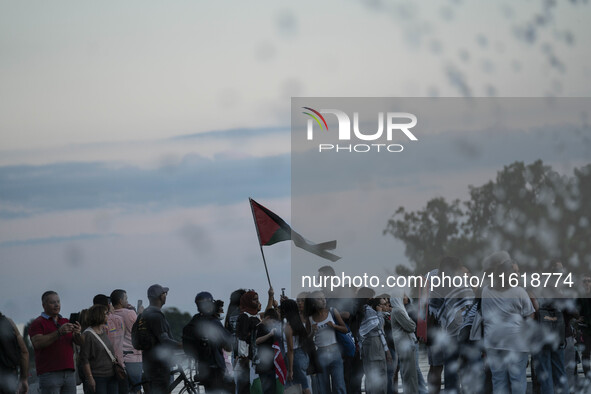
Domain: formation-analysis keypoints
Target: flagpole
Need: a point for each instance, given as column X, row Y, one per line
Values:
column 265, row 262
column 259, row 238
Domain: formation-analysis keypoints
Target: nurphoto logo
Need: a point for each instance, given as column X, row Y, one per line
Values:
column 391, row 122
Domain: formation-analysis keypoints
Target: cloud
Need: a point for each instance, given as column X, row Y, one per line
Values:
column 157, row 153
column 196, row 180
column 446, row 154
column 240, row 134
column 193, row 181
column 49, row 240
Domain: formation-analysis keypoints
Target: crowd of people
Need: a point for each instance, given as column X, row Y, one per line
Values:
column 479, row 340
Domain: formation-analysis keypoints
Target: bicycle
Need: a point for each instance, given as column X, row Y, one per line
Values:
column 190, row 385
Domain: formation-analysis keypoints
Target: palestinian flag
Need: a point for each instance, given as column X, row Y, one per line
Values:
column 279, row 362
column 280, row 373
column 272, row 229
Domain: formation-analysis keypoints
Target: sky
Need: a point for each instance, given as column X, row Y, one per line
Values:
column 132, row 134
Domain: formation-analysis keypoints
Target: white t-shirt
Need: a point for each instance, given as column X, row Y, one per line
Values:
column 325, row 336
column 504, row 315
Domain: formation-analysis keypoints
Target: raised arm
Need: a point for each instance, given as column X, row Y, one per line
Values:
column 41, row 341
column 271, row 300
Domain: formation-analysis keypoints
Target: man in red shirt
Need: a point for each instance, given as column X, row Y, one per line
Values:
column 52, row 337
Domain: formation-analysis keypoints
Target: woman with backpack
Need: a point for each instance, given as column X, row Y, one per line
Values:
column 322, row 324
column 246, row 325
column 268, row 334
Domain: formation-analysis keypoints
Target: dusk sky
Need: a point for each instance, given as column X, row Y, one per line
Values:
column 132, row 134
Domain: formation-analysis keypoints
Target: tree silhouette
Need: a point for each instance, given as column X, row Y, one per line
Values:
column 177, row 321
column 529, row 210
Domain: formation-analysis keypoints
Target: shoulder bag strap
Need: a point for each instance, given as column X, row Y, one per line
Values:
column 334, row 319
column 113, row 359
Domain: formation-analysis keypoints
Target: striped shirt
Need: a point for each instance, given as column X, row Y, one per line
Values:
column 448, row 305
column 372, row 325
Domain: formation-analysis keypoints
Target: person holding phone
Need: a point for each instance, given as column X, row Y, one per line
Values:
column 52, row 336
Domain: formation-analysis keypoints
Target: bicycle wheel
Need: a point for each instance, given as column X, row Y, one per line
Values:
column 189, row 388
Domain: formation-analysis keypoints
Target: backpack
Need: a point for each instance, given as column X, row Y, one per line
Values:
column 551, row 321
column 473, row 325
column 231, row 327
column 141, row 336
column 10, row 351
column 346, row 341
column 195, row 340
column 256, row 358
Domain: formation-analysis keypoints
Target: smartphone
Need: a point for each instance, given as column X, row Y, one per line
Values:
column 75, row 317
column 139, row 305
column 283, row 292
